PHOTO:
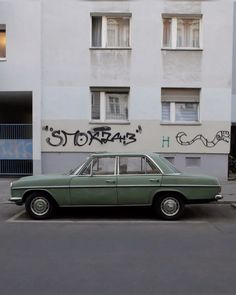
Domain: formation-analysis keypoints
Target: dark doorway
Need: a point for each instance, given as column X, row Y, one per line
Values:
column 16, row 133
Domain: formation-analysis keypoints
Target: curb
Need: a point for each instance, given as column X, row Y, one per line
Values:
column 6, row 203
column 224, row 202
column 233, row 205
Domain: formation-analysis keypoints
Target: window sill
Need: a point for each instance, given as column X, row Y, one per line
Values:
column 110, row 48
column 109, row 122
column 181, row 123
column 3, row 59
column 181, row 49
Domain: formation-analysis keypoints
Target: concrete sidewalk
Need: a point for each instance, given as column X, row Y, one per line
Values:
column 228, row 190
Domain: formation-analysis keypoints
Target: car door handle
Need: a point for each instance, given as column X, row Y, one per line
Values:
column 110, row 181
column 154, row 180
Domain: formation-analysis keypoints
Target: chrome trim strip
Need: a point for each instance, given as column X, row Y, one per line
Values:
column 190, row 185
column 104, row 185
column 92, row 186
column 38, row 187
column 15, row 198
column 112, row 205
column 109, row 186
column 64, row 187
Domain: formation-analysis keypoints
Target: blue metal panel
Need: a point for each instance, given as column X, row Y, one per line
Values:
column 16, row 149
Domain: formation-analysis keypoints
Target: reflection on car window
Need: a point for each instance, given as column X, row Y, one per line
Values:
column 169, row 165
column 103, row 166
column 87, row 170
column 136, row 165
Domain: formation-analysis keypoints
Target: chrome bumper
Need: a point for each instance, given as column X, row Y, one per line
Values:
column 218, row 197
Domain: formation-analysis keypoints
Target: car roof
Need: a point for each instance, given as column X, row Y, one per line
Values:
column 112, row 154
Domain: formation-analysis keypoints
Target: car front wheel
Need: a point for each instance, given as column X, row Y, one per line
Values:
column 169, row 206
column 39, row 206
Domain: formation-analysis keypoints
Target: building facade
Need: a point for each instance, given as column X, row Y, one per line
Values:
column 232, row 165
column 85, row 76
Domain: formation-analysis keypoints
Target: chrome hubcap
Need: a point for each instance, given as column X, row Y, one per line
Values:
column 170, row 206
column 39, row 206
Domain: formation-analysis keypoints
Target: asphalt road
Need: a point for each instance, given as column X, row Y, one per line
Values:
column 118, row 251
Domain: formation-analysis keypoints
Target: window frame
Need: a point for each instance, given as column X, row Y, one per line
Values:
column 147, row 160
column 174, row 96
column 97, row 159
column 104, row 17
column 103, row 101
column 174, row 31
column 93, row 161
column 173, row 113
column 4, row 29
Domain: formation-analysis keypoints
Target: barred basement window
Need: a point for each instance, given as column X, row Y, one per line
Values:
column 170, row 159
column 193, row 161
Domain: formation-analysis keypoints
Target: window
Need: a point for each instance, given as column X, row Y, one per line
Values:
column 2, row 41
column 103, row 166
column 180, row 105
column 109, row 104
column 181, row 32
column 111, row 31
column 136, row 165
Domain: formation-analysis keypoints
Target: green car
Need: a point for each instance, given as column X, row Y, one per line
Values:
column 116, row 179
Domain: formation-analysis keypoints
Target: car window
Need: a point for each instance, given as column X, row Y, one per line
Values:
column 103, row 166
column 136, row 165
column 151, row 168
column 169, row 166
column 87, row 170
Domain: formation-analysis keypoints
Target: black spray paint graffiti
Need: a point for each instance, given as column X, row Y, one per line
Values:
column 101, row 135
column 220, row 136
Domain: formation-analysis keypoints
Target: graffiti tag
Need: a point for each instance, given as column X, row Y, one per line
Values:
column 220, row 136
column 165, row 141
column 102, row 135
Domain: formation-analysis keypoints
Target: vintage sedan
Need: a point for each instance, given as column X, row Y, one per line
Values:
column 116, row 179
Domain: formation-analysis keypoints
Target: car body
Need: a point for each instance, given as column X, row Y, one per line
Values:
column 116, row 179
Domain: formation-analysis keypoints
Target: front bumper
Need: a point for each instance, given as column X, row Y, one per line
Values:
column 16, row 200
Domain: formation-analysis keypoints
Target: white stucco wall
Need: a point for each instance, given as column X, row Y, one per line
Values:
column 233, row 108
column 48, row 53
column 70, row 66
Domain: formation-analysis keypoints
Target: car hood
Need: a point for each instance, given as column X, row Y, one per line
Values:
column 39, row 180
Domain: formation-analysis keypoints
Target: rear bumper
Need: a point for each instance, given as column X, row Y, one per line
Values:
column 218, row 197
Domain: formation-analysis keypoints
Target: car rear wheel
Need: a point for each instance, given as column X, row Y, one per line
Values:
column 169, row 206
column 39, row 206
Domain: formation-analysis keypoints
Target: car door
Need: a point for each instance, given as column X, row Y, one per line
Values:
column 96, row 184
column 137, row 181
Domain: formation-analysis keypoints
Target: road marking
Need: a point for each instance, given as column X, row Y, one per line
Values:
column 6, row 203
column 17, row 215
column 134, row 221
